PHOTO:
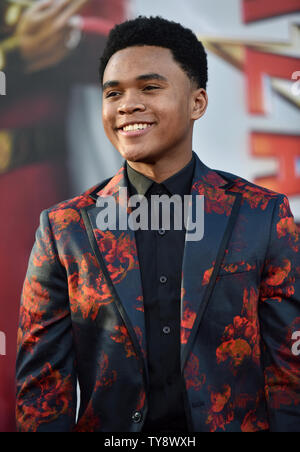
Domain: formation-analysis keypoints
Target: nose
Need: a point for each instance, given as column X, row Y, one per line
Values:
column 131, row 103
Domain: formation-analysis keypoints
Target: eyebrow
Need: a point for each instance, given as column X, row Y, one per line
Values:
column 143, row 77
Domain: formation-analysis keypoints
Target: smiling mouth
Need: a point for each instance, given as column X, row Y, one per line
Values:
column 134, row 130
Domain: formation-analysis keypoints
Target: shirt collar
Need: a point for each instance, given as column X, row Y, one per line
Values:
column 178, row 184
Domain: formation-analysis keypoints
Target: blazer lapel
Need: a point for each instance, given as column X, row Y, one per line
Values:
column 116, row 251
column 202, row 258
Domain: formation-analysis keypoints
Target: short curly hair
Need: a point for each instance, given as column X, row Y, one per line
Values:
column 187, row 50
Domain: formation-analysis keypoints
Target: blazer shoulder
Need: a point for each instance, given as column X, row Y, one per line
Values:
column 247, row 188
column 78, row 202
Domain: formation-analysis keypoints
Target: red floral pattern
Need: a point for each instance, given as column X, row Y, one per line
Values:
column 216, row 200
column 122, row 337
column 227, row 269
column 120, row 254
column 105, row 378
column 193, row 378
column 253, row 423
column 86, row 293
column 33, row 308
column 141, row 400
column 278, row 283
column 221, row 411
column 139, row 304
column 286, row 227
column 255, row 196
column 52, row 397
column 187, row 322
column 240, row 340
column 62, row 219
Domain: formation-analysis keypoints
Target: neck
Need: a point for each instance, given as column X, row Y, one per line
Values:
column 163, row 168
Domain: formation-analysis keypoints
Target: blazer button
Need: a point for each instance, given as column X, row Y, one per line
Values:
column 137, row 417
column 166, row 330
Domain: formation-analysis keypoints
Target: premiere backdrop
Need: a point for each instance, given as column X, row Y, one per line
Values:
column 52, row 144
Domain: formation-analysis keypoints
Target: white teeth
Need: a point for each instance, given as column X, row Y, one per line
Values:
column 135, row 127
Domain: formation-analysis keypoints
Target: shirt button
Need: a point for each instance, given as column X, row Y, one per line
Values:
column 163, row 279
column 166, row 330
column 137, row 417
column 161, row 231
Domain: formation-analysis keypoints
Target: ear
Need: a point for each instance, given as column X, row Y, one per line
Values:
column 199, row 103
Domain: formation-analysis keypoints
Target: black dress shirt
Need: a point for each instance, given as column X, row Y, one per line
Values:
column 160, row 255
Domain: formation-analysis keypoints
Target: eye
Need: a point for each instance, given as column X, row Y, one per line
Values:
column 150, row 87
column 111, row 94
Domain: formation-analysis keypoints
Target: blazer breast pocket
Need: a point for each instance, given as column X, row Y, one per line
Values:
column 234, row 268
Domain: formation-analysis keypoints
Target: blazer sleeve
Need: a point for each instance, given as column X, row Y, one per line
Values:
column 279, row 310
column 45, row 370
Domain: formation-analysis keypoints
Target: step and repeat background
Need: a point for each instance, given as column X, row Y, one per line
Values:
column 52, row 144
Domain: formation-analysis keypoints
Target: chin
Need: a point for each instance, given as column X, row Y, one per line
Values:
column 137, row 155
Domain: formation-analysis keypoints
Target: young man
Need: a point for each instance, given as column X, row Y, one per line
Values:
column 163, row 332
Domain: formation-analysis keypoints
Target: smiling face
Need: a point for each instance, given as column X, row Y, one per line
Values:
column 149, row 105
